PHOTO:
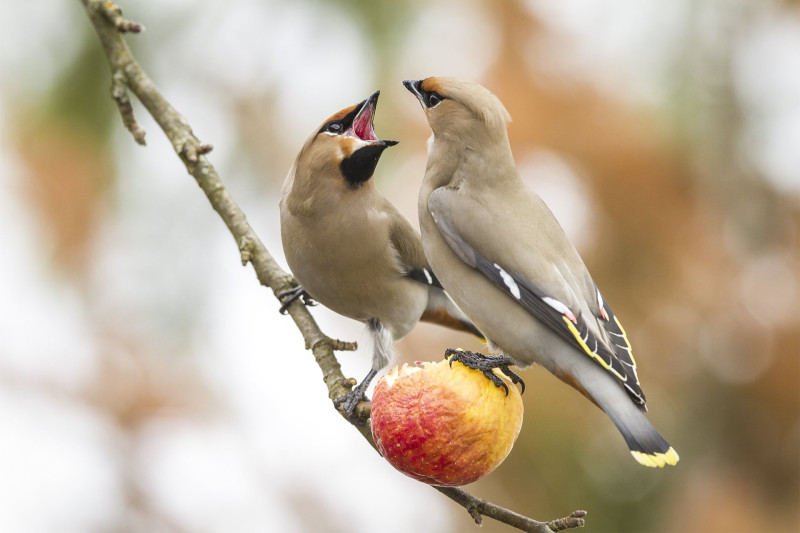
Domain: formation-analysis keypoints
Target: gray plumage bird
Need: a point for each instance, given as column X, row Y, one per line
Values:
column 349, row 247
column 503, row 258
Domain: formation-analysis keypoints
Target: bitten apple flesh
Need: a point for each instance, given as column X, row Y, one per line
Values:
column 444, row 425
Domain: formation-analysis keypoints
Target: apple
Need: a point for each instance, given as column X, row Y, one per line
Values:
column 444, row 425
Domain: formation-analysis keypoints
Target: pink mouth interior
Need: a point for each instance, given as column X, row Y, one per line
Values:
column 362, row 124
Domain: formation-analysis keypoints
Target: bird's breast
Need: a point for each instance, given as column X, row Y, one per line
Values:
column 347, row 265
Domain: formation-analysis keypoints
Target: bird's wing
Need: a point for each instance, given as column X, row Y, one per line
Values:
column 555, row 306
column 407, row 246
column 440, row 308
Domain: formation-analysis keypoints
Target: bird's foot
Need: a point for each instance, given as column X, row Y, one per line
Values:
column 348, row 402
column 486, row 364
column 287, row 297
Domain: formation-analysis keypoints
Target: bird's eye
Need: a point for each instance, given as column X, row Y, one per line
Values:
column 334, row 127
column 434, row 99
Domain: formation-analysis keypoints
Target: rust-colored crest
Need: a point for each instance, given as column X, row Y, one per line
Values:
column 341, row 114
column 433, row 85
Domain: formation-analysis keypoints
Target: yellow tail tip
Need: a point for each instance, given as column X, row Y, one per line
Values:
column 670, row 457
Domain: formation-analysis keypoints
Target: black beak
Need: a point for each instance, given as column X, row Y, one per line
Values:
column 371, row 103
column 362, row 126
column 415, row 86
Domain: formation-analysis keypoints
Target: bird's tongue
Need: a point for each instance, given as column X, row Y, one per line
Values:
column 362, row 124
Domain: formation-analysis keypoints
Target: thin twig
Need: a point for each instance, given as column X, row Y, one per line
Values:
column 569, row 522
column 114, row 15
column 119, row 92
column 126, row 74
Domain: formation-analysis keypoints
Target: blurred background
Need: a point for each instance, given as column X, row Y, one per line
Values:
column 148, row 383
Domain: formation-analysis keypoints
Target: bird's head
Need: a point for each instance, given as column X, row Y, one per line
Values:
column 456, row 107
column 345, row 145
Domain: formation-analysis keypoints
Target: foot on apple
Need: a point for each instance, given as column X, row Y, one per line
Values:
column 486, row 364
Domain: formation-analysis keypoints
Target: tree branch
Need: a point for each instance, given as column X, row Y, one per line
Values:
column 126, row 74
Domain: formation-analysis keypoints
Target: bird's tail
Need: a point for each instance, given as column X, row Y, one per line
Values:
column 647, row 446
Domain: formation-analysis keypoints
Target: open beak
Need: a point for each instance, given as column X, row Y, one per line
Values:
column 415, row 86
column 362, row 126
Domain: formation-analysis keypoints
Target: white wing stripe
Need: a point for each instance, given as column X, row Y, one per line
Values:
column 555, row 304
column 509, row 281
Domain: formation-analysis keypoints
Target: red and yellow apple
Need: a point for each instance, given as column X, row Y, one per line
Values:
column 444, row 425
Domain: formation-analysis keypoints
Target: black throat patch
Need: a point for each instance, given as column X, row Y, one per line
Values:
column 359, row 167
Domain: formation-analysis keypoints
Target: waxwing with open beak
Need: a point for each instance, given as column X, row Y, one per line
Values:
column 352, row 250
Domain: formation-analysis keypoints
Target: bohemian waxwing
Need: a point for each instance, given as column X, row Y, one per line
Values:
column 503, row 258
column 349, row 248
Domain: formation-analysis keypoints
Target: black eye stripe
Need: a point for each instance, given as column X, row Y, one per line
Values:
column 334, row 126
column 432, row 99
column 345, row 122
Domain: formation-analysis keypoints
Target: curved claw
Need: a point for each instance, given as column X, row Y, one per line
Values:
column 497, row 381
column 513, row 376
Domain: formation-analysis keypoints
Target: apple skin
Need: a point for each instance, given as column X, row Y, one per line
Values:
column 442, row 425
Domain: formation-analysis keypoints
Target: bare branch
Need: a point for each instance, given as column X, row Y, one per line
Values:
column 126, row 74
column 478, row 508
